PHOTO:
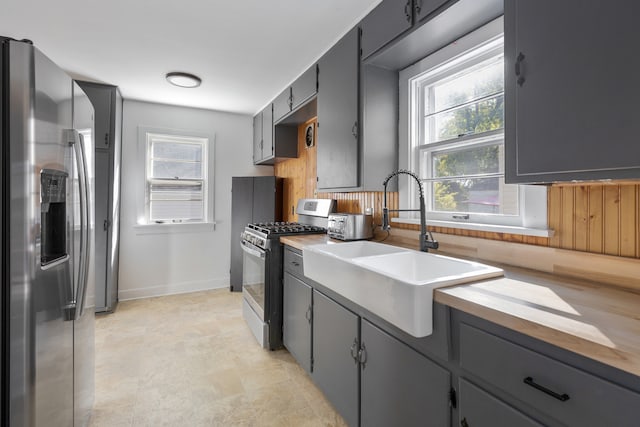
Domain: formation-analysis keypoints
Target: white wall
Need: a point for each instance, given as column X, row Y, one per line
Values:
column 154, row 263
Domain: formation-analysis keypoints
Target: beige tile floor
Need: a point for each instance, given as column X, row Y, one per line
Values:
column 190, row 360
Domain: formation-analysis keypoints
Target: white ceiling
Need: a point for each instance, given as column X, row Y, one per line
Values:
column 245, row 51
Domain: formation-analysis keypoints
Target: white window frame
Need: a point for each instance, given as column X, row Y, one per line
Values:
column 143, row 223
column 453, row 58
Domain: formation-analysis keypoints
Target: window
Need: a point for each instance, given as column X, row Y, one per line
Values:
column 455, row 136
column 176, row 178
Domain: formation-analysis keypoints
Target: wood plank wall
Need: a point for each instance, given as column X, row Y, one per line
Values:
column 299, row 175
column 597, row 218
column 600, row 218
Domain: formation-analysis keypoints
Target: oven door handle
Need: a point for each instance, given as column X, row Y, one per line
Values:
column 251, row 251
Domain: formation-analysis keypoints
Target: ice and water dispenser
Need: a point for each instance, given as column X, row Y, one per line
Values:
column 53, row 211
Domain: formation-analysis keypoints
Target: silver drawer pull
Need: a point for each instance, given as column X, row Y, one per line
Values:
column 562, row 397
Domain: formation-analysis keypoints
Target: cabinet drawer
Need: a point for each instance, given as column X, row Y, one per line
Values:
column 480, row 409
column 567, row 394
column 293, row 263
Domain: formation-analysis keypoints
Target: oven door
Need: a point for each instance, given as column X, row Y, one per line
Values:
column 254, row 277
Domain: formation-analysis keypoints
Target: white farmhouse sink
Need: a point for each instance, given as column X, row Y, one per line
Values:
column 394, row 283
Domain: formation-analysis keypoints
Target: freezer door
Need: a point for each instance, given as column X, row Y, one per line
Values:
column 44, row 207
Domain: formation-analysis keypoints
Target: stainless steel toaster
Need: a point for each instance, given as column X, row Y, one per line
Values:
column 346, row 226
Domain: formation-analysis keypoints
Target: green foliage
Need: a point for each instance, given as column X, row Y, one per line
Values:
column 477, row 118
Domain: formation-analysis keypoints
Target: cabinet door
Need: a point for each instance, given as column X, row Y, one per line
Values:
column 296, row 320
column 399, row 386
column 102, row 218
column 335, row 372
column 424, row 8
column 337, row 152
column 267, row 132
column 282, row 104
column 571, row 90
column 384, row 23
column 257, row 138
column 480, row 409
column 304, row 87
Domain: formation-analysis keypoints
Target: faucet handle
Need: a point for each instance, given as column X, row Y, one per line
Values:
column 385, row 219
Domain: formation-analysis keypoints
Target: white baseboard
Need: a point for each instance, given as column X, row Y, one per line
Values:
column 172, row 289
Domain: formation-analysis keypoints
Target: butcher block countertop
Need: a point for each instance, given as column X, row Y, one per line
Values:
column 596, row 321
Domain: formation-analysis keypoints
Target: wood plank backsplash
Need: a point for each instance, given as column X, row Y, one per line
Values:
column 597, row 218
column 600, row 218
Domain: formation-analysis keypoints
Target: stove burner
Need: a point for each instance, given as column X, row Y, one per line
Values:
column 279, row 228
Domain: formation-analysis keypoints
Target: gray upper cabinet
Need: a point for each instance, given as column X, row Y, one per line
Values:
column 268, row 149
column 265, row 149
column 338, row 129
column 282, row 105
column 300, row 91
column 384, row 23
column 391, row 18
column 571, row 91
column 424, row 8
column 257, row 137
column 305, row 87
column 399, row 386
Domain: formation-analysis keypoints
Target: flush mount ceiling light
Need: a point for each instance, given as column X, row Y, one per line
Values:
column 183, row 79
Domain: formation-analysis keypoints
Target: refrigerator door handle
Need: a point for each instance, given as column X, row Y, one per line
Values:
column 76, row 140
column 81, row 295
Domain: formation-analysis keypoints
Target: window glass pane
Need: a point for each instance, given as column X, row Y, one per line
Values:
column 176, row 151
column 166, row 210
column 477, row 195
column 176, row 191
column 480, row 81
column 477, row 159
column 470, row 119
column 176, row 169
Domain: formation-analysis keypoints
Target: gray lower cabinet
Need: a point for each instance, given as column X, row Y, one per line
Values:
column 480, row 409
column 556, row 390
column 399, row 386
column 296, row 319
column 571, row 90
column 335, row 346
column 338, row 128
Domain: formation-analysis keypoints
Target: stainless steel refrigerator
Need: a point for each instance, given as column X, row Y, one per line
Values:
column 47, row 296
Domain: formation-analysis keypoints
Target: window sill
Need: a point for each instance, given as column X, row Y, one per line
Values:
column 538, row 232
column 199, row 227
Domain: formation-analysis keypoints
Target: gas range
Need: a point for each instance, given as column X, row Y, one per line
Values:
column 260, row 233
column 262, row 272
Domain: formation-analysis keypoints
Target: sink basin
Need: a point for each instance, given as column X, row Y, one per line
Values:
column 394, row 283
column 357, row 249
